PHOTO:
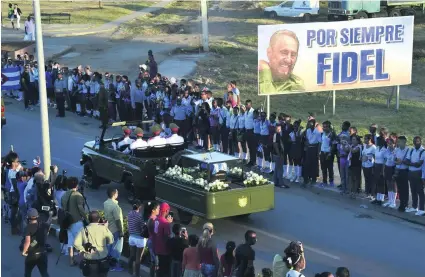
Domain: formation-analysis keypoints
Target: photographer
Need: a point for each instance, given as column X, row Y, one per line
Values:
column 73, row 205
column 93, row 242
column 177, row 245
column 33, row 244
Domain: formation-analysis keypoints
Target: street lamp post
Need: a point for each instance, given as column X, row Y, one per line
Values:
column 44, row 115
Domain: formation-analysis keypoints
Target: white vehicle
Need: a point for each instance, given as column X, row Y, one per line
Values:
column 301, row 9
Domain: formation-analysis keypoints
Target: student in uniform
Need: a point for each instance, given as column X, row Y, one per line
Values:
column 174, row 138
column 345, row 132
column 180, row 114
column 354, row 165
column 241, row 134
column 257, row 137
column 265, row 132
column 138, row 143
column 389, row 171
column 297, row 149
column 214, row 130
column 233, row 127
column 313, row 140
column 415, row 160
column 401, row 173
column 327, row 154
column 287, row 163
column 272, row 130
column 223, row 121
column 278, row 157
column 378, row 187
column 60, row 90
column 368, row 161
column 249, row 131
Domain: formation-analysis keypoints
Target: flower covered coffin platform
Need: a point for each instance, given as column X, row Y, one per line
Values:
column 212, row 186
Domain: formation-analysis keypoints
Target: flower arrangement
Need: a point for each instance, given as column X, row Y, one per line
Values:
column 176, row 173
column 253, row 179
column 236, row 171
column 217, row 185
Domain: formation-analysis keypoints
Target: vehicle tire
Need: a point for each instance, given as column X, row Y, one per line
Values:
column 307, row 17
column 185, row 217
column 361, row 15
column 273, row 15
column 408, row 12
column 394, row 13
column 129, row 186
column 91, row 176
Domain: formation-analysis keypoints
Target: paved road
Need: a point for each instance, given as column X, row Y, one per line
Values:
column 336, row 231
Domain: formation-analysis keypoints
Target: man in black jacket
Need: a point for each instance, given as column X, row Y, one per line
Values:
column 25, row 86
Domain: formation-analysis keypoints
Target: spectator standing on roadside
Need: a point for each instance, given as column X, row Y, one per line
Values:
column 151, row 211
column 60, row 93
column 354, row 165
column 245, row 256
column 401, row 173
column 191, row 265
column 33, row 247
column 177, row 244
column 208, row 252
column 113, row 215
column 22, row 178
column 415, row 160
column 17, row 14
column 227, row 260
column 73, row 203
column 12, row 188
column 236, row 93
column 162, row 232
column 342, row 272
column 294, row 259
column 136, row 240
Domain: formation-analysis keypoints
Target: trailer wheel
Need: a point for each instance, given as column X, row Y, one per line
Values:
column 361, row 15
column 307, row 17
column 394, row 13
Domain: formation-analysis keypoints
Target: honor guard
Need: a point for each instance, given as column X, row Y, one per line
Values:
column 138, row 143
column 156, row 140
column 127, row 140
column 175, row 138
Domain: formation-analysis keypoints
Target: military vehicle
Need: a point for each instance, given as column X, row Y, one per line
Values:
column 202, row 184
column 104, row 163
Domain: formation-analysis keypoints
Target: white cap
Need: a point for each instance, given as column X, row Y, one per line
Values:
column 143, row 66
column 173, row 80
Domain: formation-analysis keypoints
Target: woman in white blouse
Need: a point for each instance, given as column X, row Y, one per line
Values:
column 368, row 160
column 389, row 172
column 378, row 187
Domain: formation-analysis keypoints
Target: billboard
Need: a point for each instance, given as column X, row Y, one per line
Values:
column 324, row 56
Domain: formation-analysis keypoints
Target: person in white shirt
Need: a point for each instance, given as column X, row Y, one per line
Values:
column 139, row 143
column 415, row 159
column 30, row 29
column 401, row 173
column 127, row 140
column 156, row 140
column 378, row 187
column 389, row 172
column 313, row 140
column 368, row 161
column 174, row 138
column 294, row 259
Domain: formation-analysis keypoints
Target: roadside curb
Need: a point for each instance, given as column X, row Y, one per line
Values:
column 71, row 34
column 144, row 270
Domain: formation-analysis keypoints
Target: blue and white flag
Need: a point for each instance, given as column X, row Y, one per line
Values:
column 11, row 78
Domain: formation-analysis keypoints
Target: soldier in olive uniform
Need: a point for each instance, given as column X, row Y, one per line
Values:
column 276, row 75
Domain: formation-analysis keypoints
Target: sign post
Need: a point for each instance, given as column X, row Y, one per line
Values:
column 333, row 102
column 398, row 99
column 204, row 12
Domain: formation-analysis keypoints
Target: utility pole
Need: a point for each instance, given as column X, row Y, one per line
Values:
column 44, row 115
column 204, row 12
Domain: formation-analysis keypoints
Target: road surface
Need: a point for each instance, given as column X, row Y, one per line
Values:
column 335, row 232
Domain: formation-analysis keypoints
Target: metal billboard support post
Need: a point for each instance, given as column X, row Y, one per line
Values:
column 333, row 102
column 44, row 115
column 398, row 98
column 268, row 106
column 204, row 13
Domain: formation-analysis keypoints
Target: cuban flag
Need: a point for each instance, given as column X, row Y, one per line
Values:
column 10, row 78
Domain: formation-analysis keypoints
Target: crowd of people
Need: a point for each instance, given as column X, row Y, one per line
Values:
column 98, row 237
column 278, row 145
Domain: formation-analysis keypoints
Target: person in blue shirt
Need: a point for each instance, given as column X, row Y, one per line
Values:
column 241, row 134
column 264, row 132
column 22, row 178
column 234, row 126
column 312, row 139
column 223, row 120
column 180, row 113
column 249, row 129
column 257, row 138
